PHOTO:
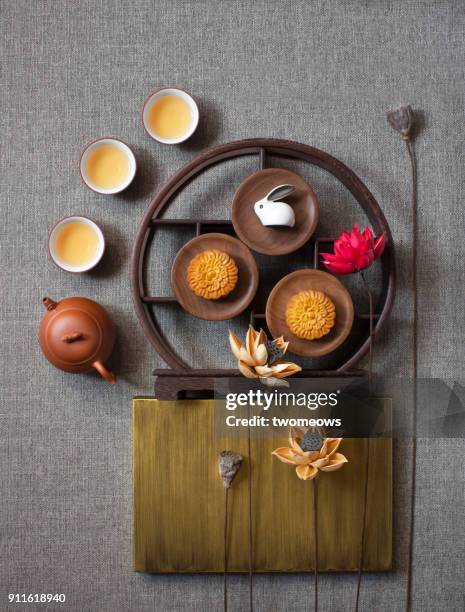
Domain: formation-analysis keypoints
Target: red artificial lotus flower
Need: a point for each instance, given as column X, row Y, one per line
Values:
column 354, row 252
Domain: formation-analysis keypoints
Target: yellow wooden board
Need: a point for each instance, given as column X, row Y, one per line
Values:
column 179, row 499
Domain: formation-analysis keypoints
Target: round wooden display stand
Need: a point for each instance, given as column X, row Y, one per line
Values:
column 180, row 376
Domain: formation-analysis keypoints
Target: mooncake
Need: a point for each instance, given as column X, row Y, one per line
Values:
column 310, row 314
column 212, row 274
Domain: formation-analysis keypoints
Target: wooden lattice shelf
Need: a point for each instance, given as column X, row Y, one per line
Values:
column 355, row 347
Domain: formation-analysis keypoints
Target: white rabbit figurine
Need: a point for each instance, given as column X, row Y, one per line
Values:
column 272, row 212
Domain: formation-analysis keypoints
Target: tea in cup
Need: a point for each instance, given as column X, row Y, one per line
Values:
column 170, row 115
column 76, row 244
column 108, row 166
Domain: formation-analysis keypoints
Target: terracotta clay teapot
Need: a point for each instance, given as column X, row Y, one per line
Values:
column 76, row 335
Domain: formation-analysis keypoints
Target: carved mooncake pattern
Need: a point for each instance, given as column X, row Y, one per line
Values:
column 212, row 274
column 310, row 314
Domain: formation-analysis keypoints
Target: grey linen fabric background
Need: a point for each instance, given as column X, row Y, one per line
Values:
column 322, row 73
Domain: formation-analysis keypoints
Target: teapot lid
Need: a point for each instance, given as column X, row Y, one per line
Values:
column 73, row 336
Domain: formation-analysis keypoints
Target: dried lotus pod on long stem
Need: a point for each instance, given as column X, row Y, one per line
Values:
column 229, row 464
column 310, row 453
column 402, row 120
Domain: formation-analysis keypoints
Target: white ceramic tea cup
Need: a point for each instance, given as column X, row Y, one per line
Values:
column 170, row 91
column 53, row 251
column 91, row 148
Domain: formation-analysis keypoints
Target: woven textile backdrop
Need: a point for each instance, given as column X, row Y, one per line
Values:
column 322, row 73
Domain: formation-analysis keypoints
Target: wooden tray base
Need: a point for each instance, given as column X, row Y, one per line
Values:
column 178, row 500
column 200, row 384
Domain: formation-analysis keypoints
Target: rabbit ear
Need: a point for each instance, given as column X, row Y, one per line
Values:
column 281, row 191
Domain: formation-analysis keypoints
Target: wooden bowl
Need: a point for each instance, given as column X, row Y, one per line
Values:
column 229, row 306
column 274, row 240
column 303, row 280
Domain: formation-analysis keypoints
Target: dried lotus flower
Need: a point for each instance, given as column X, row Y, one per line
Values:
column 310, row 314
column 253, row 361
column 212, row 274
column 307, row 463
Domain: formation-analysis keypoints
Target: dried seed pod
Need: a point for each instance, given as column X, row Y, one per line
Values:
column 401, row 119
column 229, row 463
column 312, row 441
column 274, row 352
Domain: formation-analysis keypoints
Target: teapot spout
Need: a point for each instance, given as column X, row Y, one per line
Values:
column 49, row 304
column 104, row 373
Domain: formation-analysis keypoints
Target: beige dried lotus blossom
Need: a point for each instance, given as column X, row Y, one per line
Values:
column 253, row 358
column 308, row 463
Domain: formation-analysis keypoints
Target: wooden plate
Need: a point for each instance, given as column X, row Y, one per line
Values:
column 303, row 280
column 274, row 240
column 229, row 306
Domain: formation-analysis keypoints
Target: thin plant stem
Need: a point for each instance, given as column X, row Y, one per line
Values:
column 372, row 339
column 414, row 209
column 367, row 461
column 249, row 450
column 363, row 530
column 225, row 576
column 315, row 540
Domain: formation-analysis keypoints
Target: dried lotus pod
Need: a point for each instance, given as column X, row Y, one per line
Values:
column 311, row 441
column 274, row 352
column 229, row 463
column 401, row 120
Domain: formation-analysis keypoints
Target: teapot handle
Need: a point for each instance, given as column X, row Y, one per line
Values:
column 104, row 373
